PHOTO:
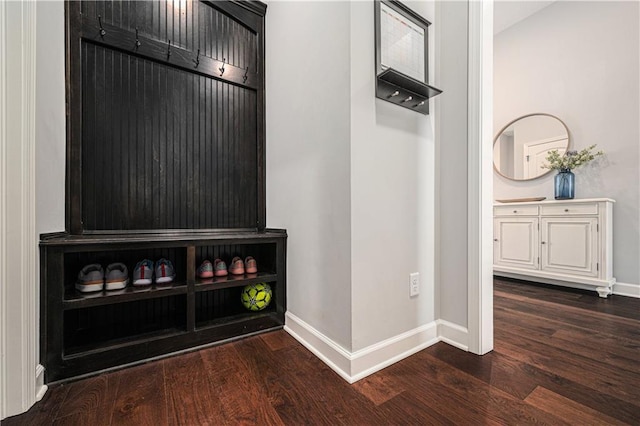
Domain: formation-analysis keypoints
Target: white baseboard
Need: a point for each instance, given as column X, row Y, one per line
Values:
column 41, row 388
column 453, row 334
column 374, row 358
column 624, row 289
column 360, row 364
column 332, row 354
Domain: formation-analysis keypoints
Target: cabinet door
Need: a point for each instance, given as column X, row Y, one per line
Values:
column 570, row 245
column 516, row 242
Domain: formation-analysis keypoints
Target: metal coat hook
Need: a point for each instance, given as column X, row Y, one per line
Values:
column 420, row 104
column 246, row 76
column 197, row 59
column 169, row 50
column 102, row 31
column 138, row 44
column 396, row 93
column 408, row 99
column 224, row 60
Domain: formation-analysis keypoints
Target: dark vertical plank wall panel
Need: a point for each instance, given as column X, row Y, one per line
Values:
column 188, row 24
column 162, row 147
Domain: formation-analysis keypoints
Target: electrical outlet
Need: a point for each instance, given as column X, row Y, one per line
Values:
column 414, row 284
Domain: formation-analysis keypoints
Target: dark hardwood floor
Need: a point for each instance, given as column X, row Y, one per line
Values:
column 561, row 357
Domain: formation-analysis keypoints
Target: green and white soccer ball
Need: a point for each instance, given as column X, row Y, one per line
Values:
column 256, row 297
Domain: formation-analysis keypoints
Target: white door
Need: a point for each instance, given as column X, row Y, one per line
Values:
column 535, row 155
column 570, row 245
column 516, row 242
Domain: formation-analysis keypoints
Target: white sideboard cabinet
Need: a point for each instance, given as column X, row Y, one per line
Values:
column 565, row 242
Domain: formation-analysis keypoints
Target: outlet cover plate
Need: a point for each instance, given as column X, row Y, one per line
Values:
column 414, row 284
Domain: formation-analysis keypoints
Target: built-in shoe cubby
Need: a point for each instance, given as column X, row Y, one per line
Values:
column 74, row 262
column 88, row 332
column 165, row 159
column 224, row 305
column 120, row 324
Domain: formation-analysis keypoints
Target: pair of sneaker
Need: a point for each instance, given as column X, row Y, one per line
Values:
column 94, row 278
column 219, row 268
column 146, row 272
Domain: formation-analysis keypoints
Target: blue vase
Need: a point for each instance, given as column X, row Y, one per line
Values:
column 565, row 185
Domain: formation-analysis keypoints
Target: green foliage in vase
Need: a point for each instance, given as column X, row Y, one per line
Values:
column 571, row 159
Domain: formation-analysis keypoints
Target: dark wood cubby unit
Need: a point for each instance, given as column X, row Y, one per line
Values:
column 89, row 332
column 165, row 158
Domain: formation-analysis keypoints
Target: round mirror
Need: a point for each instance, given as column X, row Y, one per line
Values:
column 521, row 147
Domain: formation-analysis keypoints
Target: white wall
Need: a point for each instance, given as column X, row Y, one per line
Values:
column 392, row 197
column 452, row 153
column 580, row 62
column 308, row 157
column 50, row 117
column 351, row 177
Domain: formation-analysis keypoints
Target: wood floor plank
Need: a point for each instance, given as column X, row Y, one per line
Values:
column 554, row 327
column 561, row 357
column 611, row 344
column 602, row 355
column 602, row 323
column 379, row 388
column 90, row 394
column 622, row 385
column 526, row 376
column 242, row 400
column 100, row 416
column 426, row 401
column 278, row 340
column 506, row 374
column 495, row 404
column 189, row 400
column 619, row 306
column 551, row 402
column 274, row 380
column 141, row 398
column 309, row 390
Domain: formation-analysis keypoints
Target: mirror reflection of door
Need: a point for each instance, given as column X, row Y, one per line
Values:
column 535, row 155
column 521, row 147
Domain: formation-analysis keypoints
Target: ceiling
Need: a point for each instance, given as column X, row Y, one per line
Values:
column 508, row 13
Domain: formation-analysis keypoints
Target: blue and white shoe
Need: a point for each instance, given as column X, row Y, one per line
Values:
column 143, row 273
column 164, row 271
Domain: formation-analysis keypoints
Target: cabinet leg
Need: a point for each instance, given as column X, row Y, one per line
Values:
column 604, row 291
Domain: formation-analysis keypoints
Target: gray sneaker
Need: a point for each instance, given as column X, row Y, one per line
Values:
column 116, row 276
column 90, row 278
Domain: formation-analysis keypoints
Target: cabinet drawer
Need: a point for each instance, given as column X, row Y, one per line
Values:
column 570, row 209
column 515, row 211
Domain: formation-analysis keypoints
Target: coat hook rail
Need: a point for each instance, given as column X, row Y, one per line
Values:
column 102, row 31
column 197, row 59
column 138, row 44
column 224, row 61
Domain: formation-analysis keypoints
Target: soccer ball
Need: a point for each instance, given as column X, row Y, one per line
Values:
column 256, row 297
